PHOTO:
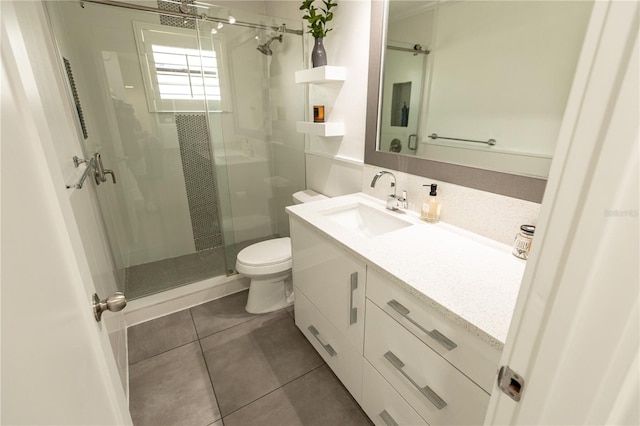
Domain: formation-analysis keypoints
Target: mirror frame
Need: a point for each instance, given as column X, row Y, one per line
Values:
column 516, row 186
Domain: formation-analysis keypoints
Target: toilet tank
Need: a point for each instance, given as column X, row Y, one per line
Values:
column 307, row 196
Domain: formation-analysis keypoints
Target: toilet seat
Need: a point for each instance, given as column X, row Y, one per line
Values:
column 266, row 257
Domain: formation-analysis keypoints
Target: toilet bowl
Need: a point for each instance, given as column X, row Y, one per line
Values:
column 268, row 265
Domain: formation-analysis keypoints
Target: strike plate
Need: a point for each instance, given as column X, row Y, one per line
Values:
column 510, row 382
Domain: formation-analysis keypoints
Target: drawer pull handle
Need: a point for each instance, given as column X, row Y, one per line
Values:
column 326, row 347
column 433, row 397
column 387, row 419
column 434, row 334
column 353, row 312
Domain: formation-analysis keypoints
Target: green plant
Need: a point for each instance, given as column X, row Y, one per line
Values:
column 318, row 17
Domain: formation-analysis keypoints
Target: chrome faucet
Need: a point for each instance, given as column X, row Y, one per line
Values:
column 394, row 202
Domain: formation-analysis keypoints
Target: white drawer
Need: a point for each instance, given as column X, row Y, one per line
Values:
column 437, row 391
column 381, row 402
column 343, row 359
column 475, row 358
column 332, row 279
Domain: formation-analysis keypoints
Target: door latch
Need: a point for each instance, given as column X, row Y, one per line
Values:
column 510, row 382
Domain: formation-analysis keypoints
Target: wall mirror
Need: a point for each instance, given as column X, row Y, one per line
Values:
column 472, row 92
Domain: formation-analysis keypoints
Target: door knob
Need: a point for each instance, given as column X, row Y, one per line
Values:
column 114, row 303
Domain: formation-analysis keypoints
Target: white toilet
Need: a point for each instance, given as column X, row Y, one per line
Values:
column 268, row 265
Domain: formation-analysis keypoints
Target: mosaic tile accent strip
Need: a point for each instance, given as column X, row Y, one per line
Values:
column 76, row 98
column 200, row 179
column 174, row 21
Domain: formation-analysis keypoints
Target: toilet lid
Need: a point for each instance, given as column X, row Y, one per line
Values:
column 265, row 253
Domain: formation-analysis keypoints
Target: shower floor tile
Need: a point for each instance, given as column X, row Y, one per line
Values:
column 243, row 370
column 155, row 277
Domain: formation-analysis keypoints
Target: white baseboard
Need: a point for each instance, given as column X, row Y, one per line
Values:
column 177, row 299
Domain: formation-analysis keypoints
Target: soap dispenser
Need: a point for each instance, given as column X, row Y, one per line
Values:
column 431, row 206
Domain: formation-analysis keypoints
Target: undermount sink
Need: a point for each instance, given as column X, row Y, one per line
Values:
column 365, row 220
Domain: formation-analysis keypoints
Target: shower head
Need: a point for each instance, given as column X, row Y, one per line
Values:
column 265, row 49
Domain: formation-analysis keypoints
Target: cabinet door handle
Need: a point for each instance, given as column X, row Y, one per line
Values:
column 387, row 419
column 326, row 347
column 443, row 340
column 353, row 312
column 433, row 397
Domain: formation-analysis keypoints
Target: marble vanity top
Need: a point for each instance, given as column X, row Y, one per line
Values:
column 472, row 280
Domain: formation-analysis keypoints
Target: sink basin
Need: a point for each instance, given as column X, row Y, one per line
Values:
column 365, row 220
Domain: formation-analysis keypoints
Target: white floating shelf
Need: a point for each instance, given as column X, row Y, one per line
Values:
column 320, row 129
column 326, row 74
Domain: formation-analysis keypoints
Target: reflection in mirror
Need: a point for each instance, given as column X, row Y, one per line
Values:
column 476, row 72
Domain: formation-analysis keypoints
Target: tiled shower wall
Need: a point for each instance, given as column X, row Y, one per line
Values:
column 197, row 160
column 199, row 179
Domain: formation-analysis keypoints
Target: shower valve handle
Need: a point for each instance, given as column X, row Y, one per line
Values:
column 100, row 171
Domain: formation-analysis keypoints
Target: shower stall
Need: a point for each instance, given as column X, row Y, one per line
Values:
column 192, row 107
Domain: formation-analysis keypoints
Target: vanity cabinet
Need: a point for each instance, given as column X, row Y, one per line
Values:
column 475, row 358
column 332, row 279
column 405, row 362
column 435, row 389
column 334, row 348
column 329, row 286
column 383, row 404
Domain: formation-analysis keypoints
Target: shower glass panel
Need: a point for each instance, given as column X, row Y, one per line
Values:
column 252, row 116
column 167, row 104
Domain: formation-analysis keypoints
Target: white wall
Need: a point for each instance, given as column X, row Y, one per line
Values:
column 347, row 45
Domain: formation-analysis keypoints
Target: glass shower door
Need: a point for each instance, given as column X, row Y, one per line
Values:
column 258, row 155
column 140, row 82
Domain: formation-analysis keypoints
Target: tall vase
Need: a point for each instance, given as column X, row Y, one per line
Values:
column 318, row 55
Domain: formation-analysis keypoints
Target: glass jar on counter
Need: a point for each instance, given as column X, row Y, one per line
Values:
column 522, row 243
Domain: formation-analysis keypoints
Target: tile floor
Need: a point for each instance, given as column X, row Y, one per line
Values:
column 217, row 365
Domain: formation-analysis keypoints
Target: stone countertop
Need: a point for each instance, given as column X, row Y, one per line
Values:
column 470, row 279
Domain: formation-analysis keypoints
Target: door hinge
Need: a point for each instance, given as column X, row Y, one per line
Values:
column 510, row 382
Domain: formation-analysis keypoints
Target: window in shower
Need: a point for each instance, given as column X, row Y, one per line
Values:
column 178, row 75
column 185, row 73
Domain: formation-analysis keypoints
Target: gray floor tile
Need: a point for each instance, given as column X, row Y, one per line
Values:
column 172, row 388
column 250, row 360
column 221, row 314
column 159, row 335
column 316, row 398
column 270, row 410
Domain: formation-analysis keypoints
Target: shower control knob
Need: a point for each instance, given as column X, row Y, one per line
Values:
column 114, row 303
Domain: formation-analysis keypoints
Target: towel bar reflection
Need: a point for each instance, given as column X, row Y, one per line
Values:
column 90, row 166
column 489, row 142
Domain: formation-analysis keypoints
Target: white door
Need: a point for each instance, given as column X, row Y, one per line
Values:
column 59, row 366
column 575, row 335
